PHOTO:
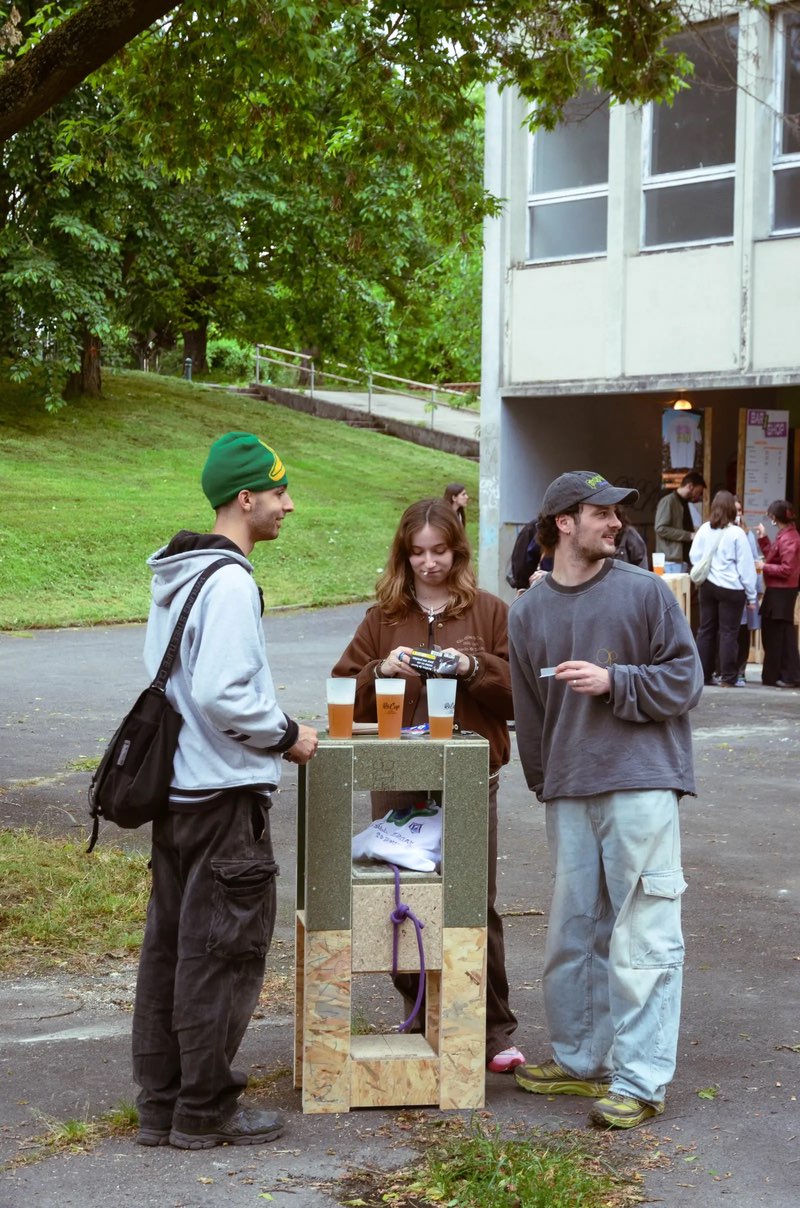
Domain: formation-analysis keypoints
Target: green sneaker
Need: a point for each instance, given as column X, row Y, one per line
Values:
column 550, row 1079
column 621, row 1111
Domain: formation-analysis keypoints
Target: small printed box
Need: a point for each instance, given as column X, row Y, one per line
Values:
column 433, row 662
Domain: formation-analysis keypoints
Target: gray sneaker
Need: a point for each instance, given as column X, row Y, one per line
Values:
column 247, row 1126
column 147, row 1135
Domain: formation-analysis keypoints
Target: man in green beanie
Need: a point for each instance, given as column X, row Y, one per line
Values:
column 212, row 907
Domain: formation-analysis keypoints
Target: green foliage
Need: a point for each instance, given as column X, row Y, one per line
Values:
column 61, row 251
column 437, row 331
column 299, row 174
column 113, row 479
column 230, row 361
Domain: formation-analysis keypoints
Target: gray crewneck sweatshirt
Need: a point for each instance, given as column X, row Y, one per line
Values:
column 638, row 737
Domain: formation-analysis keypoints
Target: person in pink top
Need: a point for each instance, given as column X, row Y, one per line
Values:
column 781, row 569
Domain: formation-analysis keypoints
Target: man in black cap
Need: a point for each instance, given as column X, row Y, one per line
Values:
column 604, row 673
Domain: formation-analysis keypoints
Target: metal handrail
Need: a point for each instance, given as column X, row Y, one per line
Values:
column 367, row 378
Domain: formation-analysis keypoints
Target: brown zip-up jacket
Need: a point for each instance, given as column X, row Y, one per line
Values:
column 483, row 697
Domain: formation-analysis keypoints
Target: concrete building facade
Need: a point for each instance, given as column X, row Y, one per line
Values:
column 643, row 254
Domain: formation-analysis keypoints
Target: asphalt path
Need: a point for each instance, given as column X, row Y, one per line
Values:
column 731, row 1130
column 414, row 409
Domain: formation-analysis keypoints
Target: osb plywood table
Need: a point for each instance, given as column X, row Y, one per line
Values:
column 343, row 928
column 681, row 588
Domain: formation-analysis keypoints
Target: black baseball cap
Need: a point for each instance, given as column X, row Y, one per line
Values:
column 583, row 486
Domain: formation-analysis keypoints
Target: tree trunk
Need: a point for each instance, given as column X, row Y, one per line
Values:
column 309, row 354
column 86, row 382
column 34, row 82
column 194, row 346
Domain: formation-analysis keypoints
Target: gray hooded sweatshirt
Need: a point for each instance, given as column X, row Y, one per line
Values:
column 234, row 731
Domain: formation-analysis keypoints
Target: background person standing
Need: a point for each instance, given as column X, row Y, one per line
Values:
column 631, row 546
column 781, row 571
column 455, row 493
column 750, row 620
column 604, row 673
column 728, row 588
column 674, row 526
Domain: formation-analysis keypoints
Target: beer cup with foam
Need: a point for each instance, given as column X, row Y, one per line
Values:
column 389, row 697
column 441, row 707
column 341, row 696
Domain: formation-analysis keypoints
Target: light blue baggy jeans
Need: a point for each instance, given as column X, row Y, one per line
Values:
column 613, row 967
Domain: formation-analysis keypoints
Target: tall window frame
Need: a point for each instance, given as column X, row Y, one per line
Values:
column 785, row 209
column 567, row 212
column 688, row 189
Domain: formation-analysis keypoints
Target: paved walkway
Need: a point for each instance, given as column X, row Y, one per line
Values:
column 730, row 1131
column 414, row 409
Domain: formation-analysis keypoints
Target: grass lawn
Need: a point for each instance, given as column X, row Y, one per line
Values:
column 91, row 491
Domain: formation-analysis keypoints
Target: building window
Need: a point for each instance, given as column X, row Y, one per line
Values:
column 690, row 146
column 786, row 175
column 568, row 201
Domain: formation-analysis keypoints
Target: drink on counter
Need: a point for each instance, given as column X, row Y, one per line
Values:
column 341, row 696
column 658, row 563
column 441, row 707
column 389, row 697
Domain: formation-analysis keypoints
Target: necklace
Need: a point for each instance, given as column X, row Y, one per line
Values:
column 431, row 611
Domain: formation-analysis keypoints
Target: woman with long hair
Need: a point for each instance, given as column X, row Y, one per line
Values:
column 781, row 571
column 427, row 597
column 455, row 494
column 728, row 588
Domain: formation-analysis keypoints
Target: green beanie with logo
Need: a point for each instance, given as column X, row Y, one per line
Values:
column 239, row 461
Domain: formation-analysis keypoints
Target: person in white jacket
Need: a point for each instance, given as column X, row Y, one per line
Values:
column 212, row 905
column 729, row 587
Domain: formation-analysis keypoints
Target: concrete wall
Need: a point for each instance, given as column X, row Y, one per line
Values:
column 559, row 327
column 681, row 311
column 776, row 304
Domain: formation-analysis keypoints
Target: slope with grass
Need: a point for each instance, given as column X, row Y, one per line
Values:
column 91, row 491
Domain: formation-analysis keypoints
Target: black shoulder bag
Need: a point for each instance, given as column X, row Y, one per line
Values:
column 131, row 784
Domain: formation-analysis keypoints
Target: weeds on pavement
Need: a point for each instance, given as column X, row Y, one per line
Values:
column 75, row 1136
column 472, row 1164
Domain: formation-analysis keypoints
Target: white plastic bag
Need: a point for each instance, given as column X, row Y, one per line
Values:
column 409, row 838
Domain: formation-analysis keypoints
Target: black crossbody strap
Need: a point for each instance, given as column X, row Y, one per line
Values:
column 162, row 675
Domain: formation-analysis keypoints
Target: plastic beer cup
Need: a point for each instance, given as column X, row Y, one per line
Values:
column 658, row 563
column 389, row 697
column 340, row 695
column 441, row 707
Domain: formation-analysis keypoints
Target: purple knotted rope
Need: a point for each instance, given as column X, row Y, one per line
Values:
column 400, row 913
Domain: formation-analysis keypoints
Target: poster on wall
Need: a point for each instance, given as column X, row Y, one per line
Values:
column 682, row 439
column 764, row 436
